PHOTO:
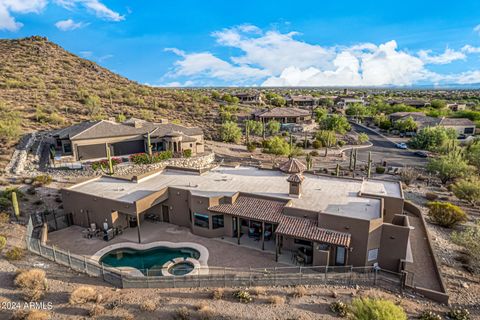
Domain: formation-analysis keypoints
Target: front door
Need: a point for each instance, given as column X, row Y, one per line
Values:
column 165, row 215
column 340, row 256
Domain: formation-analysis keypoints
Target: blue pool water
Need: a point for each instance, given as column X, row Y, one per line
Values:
column 143, row 260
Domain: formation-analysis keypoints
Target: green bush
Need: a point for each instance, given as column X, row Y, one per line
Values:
column 368, row 309
column 3, row 242
column 251, row 147
column 103, row 164
column 316, row 144
column 187, row 153
column 458, row 314
column 470, row 240
column 341, row 143
column 143, row 158
column 43, row 180
column 380, row 169
column 314, row 153
column 339, row 308
column 445, row 214
column 4, row 218
column 468, row 190
column 429, row 315
column 15, row 253
column 243, row 296
column 5, row 203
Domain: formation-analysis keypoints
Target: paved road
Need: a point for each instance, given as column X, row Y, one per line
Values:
column 385, row 150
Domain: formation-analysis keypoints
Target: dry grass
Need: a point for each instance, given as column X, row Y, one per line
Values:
column 182, row 313
column 83, row 294
column 33, row 314
column 299, row 292
column 218, row 294
column 96, row 310
column 204, row 311
column 276, row 300
column 259, row 291
column 148, row 305
column 33, row 283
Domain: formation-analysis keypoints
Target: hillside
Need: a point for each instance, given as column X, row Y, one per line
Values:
column 43, row 86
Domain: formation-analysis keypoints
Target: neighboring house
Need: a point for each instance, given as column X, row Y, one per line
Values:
column 249, row 97
column 332, row 221
column 300, row 101
column 456, row 106
column 342, row 102
column 283, row 115
column 410, row 102
column 464, row 127
column 89, row 140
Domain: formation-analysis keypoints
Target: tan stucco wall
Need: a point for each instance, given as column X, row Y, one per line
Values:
column 394, row 245
column 320, row 257
column 85, row 142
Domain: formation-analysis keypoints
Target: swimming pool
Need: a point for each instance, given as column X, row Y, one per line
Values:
column 149, row 261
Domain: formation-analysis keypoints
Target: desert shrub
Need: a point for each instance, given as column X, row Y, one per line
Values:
column 33, row 283
column 204, row 312
column 3, row 242
column 341, row 143
column 446, row 214
column 43, row 180
column 96, row 310
column 368, row 308
column 251, row 147
column 103, row 164
column 276, row 300
column 408, row 175
column 316, row 144
column 470, row 240
column 5, row 203
column 430, row 196
column 468, row 190
column 187, row 153
column 314, row 153
column 148, row 305
column 380, row 169
column 15, row 253
column 243, row 296
column 4, row 218
column 182, row 313
column 458, row 314
column 259, row 291
column 33, row 314
column 83, row 294
column 144, row 158
column 339, row 308
column 218, row 294
column 429, row 315
column 299, row 291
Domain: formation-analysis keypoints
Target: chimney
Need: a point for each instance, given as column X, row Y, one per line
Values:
column 295, row 185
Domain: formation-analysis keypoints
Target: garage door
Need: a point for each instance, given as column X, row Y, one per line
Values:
column 92, row 151
column 128, row 147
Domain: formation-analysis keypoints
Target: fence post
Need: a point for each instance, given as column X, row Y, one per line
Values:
column 40, row 248
column 148, row 282
column 300, row 277
column 250, row 277
column 326, row 271
column 103, row 272
column 69, row 259
column 121, row 280
column 86, row 266
column 224, row 277
column 375, row 276
column 275, row 276
column 54, row 254
column 174, row 285
column 351, row 275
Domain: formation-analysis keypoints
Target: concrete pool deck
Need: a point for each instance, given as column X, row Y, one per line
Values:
column 221, row 253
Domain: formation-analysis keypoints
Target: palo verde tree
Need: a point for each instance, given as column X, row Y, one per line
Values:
column 253, row 127
column 273, row 127
column 230, row 132
column 336, row 123
column 406, row 125
column 327, row 138
column 449, row 167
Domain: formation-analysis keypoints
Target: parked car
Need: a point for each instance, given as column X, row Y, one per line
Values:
column 422, row 154
column 401, row 145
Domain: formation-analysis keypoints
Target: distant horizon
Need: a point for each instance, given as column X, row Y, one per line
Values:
column 217, row 44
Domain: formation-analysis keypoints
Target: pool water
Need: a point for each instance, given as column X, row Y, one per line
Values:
column 150, row 260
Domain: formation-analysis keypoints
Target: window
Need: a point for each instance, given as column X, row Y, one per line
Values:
column 468, row 130
column 372, row 254
column 217, row 221
column 201, row 220
column 67, row 148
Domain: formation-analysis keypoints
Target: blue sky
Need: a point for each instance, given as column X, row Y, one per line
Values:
column 270, row 43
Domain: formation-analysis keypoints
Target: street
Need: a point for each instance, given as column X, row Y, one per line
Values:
column 385, row 150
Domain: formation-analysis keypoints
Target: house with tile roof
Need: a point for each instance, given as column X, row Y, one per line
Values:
column 463, row 126
column 314, row 219
column 89, row 140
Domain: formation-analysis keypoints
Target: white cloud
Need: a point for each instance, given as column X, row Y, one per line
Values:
column 477, row 29
column 470, row 49
column 7, row 7
column 448, row 56
column 100, row 10
column 69, row 24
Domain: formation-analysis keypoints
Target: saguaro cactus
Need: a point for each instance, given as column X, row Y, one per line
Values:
column 351, row 160
column 354, row 162
column 369, row 165
column 109, row 159
column 309, row 161
column 16, row 208
column 337, row 170
column 149, row 145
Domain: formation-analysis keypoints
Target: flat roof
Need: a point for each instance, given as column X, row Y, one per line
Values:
column 338, row 196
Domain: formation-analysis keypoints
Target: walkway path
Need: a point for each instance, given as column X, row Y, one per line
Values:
column 423, row 266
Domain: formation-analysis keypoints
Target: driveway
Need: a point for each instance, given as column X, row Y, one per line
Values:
column 384, row 150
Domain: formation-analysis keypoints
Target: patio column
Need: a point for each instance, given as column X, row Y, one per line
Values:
column 277, row 243
column 263, row 235
column 138, row 229
column 238, row 230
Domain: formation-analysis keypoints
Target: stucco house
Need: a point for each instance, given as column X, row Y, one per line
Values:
column 332, row 221
column 283, row 115
column 89, row 140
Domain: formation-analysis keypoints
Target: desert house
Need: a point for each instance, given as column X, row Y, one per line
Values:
column 283, row 115
column 301, row 101
column 463, row 126
column 319, row 220
column 89, row 140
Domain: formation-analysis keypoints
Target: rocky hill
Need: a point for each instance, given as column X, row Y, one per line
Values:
column 43, row 86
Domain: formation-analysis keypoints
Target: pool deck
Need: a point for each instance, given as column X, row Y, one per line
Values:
column 222, row 252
